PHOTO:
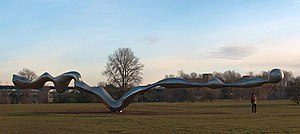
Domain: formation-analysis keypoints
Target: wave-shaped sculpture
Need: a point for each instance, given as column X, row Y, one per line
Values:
column 62, row 81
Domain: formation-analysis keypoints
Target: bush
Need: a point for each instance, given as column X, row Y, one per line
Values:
column 296, row 99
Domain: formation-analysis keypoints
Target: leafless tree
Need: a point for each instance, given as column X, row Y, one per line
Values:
column 27, row 96
column 193, row 75
column 250, row 74
column 30, row 75
column 42, row 96
column 123, row 68
column 183, row 75
column 219, row 75
column 231, row 76
column 4, row 98
column 102, row 84
column 288, row 77
column 170, row 76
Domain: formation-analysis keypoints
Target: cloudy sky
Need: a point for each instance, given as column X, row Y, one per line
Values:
column 167, row 35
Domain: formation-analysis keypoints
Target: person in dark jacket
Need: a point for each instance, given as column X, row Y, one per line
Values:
column 253, row 102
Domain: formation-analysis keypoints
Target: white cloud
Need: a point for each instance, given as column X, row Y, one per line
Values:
column 150, row 39
column 233, row 52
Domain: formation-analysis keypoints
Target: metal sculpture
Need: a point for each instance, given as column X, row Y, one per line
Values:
column 62, row 81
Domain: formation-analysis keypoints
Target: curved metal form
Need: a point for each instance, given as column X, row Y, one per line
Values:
column 62, row 81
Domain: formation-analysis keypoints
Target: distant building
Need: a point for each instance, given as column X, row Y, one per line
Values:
column 245, row 77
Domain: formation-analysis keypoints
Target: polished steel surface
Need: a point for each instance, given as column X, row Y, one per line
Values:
column 62, row 81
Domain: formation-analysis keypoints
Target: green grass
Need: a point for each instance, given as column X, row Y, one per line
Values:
column 187, row 117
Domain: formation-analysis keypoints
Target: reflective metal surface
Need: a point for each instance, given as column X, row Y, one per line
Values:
column 62, row 81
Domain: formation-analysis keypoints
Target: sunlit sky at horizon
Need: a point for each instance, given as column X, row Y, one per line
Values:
column 169, row 35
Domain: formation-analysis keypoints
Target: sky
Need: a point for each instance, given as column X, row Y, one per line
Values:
column 199, row 36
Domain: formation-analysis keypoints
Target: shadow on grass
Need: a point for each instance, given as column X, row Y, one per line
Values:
column 247, row 105
column 107, row 113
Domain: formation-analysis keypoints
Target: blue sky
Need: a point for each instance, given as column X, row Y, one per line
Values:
column 167, row 35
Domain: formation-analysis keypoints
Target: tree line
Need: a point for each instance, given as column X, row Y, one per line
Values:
column 124, row 71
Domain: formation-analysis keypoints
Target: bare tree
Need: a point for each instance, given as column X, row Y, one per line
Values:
column 30, row 75
column 183, row 75
column 287, row 79
column 193, row 75
column 170, row 76
column 102, row 84
column 123, row 68
column 231, row 76
column 250, row 74
column 27, row 95
column 219, row 75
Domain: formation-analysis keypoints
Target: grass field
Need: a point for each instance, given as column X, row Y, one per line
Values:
column 187, row 117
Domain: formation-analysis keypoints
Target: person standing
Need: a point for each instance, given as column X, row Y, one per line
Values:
column 253, row 102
